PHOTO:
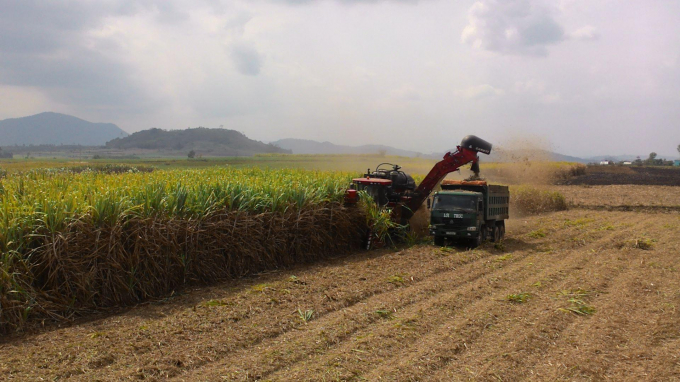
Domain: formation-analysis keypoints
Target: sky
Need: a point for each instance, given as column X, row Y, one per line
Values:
column 582, row 77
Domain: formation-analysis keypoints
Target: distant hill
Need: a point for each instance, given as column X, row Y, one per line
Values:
column 501, row 155
column 305, row 146
column 56, row 129
column 204, row 141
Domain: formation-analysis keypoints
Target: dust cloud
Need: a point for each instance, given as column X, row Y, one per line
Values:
column 520, row 161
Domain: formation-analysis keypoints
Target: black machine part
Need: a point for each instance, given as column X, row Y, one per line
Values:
column 401, row 181
column 475, row 143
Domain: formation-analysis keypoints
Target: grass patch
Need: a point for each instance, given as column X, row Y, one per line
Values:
column 537, row 233
column 385, row 313
column 577, row 222
column 504, row 257
column 577, row 304
column 216, row 303
column 518, row 298
column 606, row 227
column 397, row 279
column 445, row 251
column 260, row 288
column 643, row 243
column 306, row 315
column 579, row 307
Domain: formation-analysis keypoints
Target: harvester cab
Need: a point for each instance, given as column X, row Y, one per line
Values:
column 392, row 188
column 386, row 186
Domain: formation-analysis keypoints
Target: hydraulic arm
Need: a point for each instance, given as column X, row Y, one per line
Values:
column 397, row 190
column 464, row 154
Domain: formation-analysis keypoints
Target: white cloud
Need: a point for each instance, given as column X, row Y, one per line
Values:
column 586, row 33
column 480, row 91
column 521, row 27
column 537, row 91
column 326, row 70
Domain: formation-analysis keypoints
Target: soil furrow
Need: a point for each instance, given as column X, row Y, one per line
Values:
column 472, row 329
column 537, row 331
column 386, row 345
column 328, row 331
column 480, row 338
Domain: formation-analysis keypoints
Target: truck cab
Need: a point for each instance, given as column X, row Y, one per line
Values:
column 468, row 211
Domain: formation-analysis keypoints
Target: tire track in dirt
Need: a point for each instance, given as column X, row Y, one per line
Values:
column 384, row 335
column 506, row 356
column 347, row 322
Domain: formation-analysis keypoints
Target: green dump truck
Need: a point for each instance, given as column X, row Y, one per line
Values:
column 470, row 211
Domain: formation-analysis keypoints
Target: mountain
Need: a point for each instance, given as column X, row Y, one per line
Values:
column 305, row 146
column 502, row 155
column 204, row 141
column 56, row 129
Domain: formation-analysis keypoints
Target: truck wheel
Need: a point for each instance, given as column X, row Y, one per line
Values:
column 439, row 241
column 496, row 234
column 476, row 242
column 502, row 230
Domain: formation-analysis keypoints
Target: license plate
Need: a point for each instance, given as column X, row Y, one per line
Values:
column 450, row 233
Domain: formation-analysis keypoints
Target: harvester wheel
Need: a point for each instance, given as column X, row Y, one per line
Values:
column 439, row 241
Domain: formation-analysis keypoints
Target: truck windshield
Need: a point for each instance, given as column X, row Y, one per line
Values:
column 455, row 202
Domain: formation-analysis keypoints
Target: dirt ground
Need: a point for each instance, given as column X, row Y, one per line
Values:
column 622, row 197
column 579, row 294
column 608, row 175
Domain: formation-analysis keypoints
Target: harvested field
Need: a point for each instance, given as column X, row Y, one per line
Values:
column 617, row 175
column 569, row 295
column 622, row 197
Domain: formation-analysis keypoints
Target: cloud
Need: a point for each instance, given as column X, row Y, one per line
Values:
column 480, row 91
column 587, row 33
column 295, row 2
column 537, row 90
column 407, row 93
column 45, row 45
column 518, row 27
column 247, row 59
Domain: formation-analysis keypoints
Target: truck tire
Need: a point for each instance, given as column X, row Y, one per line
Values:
column 439, row 241
column 476, row 242
column 502, row 227
column 496, row 234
